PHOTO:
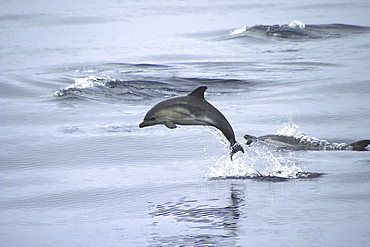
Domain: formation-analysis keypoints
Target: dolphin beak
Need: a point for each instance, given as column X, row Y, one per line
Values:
column 143, row 124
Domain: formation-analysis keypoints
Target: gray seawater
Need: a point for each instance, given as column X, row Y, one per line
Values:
column 76, row 79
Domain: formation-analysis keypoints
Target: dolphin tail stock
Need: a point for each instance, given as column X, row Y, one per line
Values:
column 363, row 145
column 236, row 147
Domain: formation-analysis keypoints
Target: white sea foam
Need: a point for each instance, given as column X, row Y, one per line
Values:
column 291, row 130
column 256, row 162
column 297, row 24
column 238, row 31
column 288, row 129
column 84, row 83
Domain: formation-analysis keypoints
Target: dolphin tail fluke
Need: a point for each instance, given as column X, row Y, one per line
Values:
column 363, row 145
column 236, row 147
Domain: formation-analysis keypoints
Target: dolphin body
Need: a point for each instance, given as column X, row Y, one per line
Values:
column 304, row 142
column 191, row 110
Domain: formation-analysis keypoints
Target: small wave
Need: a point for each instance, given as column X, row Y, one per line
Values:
column 114, row 89
column 111, row 89
column 267, row 28
column 299, row 30
column 98, row 129
column 295, row 29
column 219, row 86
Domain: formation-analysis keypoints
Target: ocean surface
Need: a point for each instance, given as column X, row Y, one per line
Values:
column 77, row 78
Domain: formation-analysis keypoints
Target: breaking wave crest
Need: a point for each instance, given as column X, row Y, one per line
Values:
column 299, row 30
column 113, row 89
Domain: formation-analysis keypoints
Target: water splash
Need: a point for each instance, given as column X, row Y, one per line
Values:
column 258, row 162
column 288, row 129
column 312, row 143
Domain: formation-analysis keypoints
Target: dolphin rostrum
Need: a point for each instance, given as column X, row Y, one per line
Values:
column 191, row 110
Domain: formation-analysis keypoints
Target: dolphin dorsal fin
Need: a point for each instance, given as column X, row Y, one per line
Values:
column 199, row 92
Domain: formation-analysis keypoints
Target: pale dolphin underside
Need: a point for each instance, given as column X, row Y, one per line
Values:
column 303, row 142
column 191, row 110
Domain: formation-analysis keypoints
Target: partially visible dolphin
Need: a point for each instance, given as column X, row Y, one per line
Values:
column 191, row 110
column 303, row 142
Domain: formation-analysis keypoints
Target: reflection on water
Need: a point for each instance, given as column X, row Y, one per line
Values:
column 188, row 224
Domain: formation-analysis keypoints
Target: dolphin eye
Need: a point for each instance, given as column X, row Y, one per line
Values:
column 151, row 119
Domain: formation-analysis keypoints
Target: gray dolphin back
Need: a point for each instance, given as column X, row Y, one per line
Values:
column 217, row 119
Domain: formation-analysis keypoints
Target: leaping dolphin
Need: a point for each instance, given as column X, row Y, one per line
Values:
column 191, row 110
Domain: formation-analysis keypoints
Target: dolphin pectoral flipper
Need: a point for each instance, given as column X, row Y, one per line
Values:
column 169, row 124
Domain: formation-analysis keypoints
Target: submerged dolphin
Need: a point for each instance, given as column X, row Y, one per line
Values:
column 191, row 110
column 303, row 142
